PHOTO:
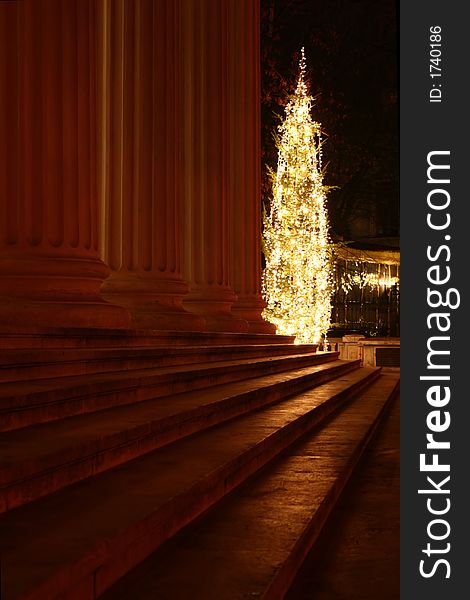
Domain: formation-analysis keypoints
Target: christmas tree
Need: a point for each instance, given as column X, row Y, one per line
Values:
column 297, row 280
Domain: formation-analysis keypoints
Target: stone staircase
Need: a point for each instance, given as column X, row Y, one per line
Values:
column 114, row 445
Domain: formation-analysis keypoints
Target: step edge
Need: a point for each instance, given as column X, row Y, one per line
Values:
column 144, row 391
column 286, row 573
column 148, row 430
column 95, row 559
column 148, row 377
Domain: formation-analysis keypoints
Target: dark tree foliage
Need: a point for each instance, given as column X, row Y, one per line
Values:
column 351, row 50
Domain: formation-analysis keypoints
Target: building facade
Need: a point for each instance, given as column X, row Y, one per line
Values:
column 130, row 165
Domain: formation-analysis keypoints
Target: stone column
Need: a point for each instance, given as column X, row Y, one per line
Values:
column 245, row 153
column 141, row 162
column 50, row 270
column 207, row 265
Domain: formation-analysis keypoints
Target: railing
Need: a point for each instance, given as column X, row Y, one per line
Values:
column 373, row 352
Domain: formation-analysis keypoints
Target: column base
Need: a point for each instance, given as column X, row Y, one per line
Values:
column 215, row 304
column 42, row 291
column 98, row 314
column 256, row 326
column 158, row 317
column 222, row 324
column 250, row 309
column 152, row 303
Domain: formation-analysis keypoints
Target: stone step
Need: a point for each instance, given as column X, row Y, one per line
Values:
column 119, row 338
column 80, row 540
column 39, row 460
column 357, row 554
column 24, row 404
column 22, row 364
column 252, row 543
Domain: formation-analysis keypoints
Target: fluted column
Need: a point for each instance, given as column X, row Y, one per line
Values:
column 50, row 271
column 141, row 161
column 205, row 36
column 245, row 152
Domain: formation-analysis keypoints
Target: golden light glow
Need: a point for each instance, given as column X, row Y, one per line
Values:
column 297, row 280
column 363, row 280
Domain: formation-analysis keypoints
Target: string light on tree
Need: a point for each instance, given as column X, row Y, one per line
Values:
column 297, row 280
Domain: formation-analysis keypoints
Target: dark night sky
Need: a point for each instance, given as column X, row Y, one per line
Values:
column 351, row 50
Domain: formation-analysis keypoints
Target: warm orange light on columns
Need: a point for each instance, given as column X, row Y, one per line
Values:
column 206, row 159
column 50, row 270
column 245, row 176
column 141, row 162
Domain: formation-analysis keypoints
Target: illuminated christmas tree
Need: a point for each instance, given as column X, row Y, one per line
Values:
column 297, row 280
